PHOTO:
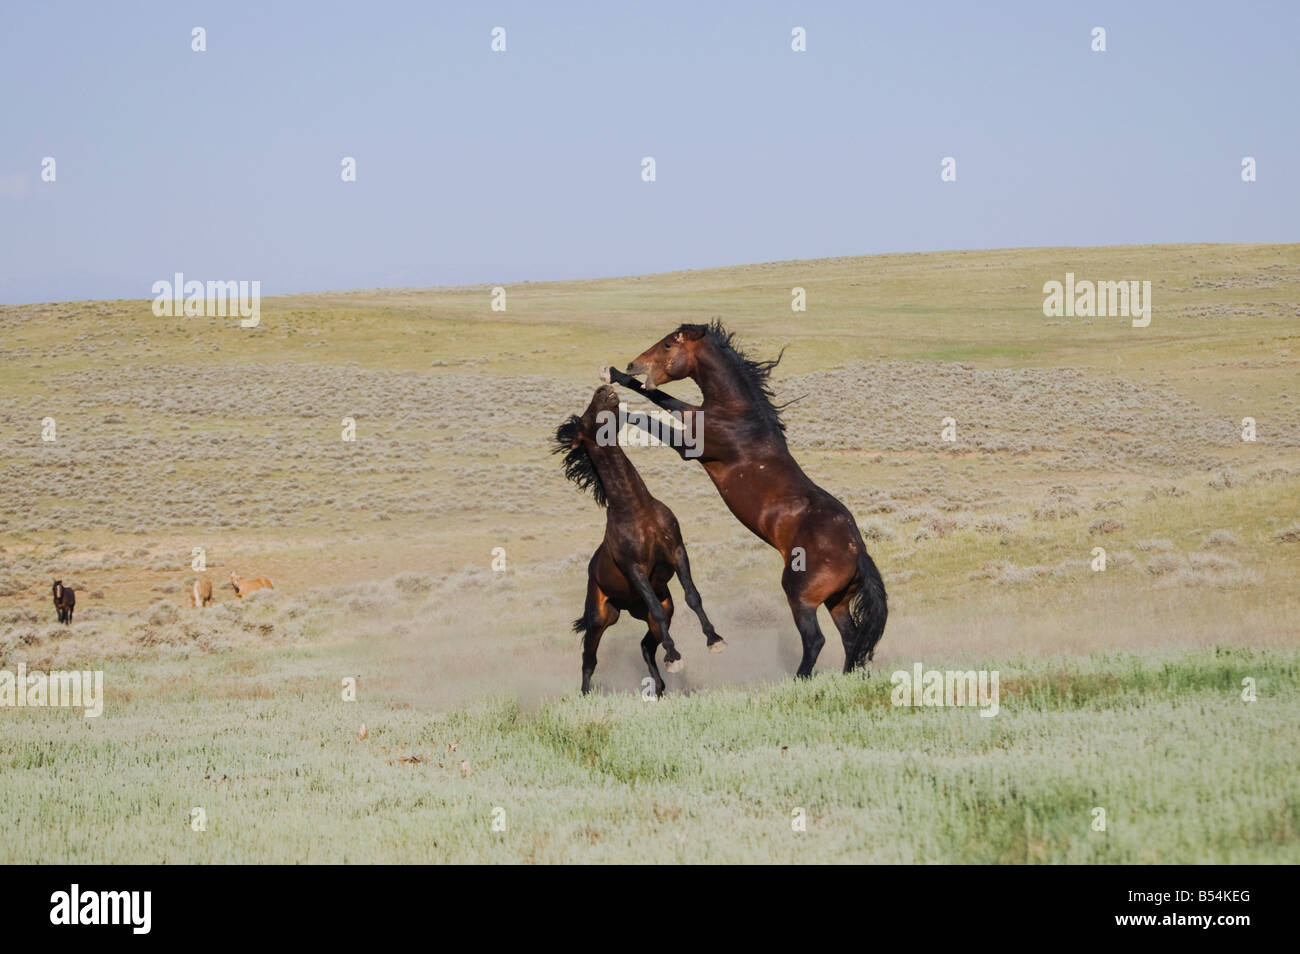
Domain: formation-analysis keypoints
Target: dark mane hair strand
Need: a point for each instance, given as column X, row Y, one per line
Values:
column 578, row 465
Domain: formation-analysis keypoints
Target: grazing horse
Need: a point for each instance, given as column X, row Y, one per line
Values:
column 65, row 599
column 249, row 585
column 201, row 593
column 642, row 549
column 743, row 450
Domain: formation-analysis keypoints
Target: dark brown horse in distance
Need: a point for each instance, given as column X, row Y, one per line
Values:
column 743, row 449
column 642, row 549
column 65, row 600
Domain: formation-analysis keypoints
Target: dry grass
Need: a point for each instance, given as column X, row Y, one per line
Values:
column 1071, row 435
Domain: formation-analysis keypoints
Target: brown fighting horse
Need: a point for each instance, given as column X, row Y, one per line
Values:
column 642, row 549
column 743, row 450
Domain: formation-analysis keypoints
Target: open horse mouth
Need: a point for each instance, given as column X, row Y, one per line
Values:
column 636, row 371
column 605, row 398
column 607, row 374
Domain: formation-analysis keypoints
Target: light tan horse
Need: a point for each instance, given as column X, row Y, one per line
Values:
column 249, row 585
column 201, row 593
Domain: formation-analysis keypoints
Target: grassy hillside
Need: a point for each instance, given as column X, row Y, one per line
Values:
column 1072, row 434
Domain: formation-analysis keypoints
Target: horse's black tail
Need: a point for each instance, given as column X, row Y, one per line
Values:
column 580, row 624
column 867, row 610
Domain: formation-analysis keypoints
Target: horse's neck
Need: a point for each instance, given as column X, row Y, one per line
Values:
column 727, row 396
column 718, row 382
column 623, row 484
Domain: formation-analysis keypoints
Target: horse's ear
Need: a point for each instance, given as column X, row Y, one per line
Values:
column 689, row 333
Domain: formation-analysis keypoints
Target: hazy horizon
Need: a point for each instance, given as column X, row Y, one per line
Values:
column 447, row 286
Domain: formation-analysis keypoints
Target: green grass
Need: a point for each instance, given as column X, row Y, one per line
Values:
column 1185, row 770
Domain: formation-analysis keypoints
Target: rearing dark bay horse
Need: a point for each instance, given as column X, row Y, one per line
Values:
column 743, row 449
column 642, row 549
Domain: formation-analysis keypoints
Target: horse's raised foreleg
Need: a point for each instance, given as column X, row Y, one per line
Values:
column 649, row 645
column 658, row 619
column 664, row 400
column 683, row 566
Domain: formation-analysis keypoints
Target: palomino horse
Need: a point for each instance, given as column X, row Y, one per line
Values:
column 65, row 600
column 742, row 447
column 249, row 585
column 201, row 593
column 642, row 549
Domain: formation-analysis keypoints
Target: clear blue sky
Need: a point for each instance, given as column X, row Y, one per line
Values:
column 482, row 167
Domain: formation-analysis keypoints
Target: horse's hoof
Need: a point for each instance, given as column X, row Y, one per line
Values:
column 676, row 665
column 604, row 375
column 718, row 645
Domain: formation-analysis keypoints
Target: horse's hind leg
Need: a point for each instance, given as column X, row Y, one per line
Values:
column 844, row 623
column 716, row 643
column 805, row 618
column 597, row 617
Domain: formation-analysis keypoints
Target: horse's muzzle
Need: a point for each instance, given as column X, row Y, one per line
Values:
column 634, row 368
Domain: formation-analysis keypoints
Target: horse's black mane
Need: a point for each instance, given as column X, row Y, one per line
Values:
column 754, row 375
column 578, row 465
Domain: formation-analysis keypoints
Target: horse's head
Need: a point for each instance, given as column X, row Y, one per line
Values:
column 572, row 433
column 577, row 434
column 605, row 399
column 671, row 358
column 58, row 587
column 234, row 579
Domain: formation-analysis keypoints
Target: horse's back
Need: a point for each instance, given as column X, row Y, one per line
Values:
column 251, row 585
